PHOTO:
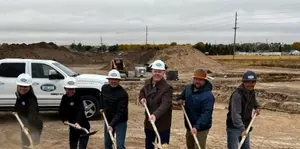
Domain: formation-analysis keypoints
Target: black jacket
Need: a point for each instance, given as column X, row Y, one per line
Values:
column 71, row 109
column 241, row 104
column 27, row 108
column 114, row 101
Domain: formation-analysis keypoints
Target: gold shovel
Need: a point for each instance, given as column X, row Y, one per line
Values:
column 25, row 130
column 109, row 131
column 247, row 131
column 187, row 119
column 158, row 144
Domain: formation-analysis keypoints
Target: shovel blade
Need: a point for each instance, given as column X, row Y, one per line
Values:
column 89, row 134
column 160, row 146
column 29, row 147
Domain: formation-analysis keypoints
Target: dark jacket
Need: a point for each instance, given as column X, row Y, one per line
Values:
column 159, row 103
column 71, row 109
column 114, row 101
column 199, row 106
column 241, row 104
column 27, row 108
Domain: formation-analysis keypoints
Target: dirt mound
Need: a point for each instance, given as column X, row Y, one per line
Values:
column 50, row 50
column 187, row 58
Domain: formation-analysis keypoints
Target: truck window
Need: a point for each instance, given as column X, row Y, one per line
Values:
column 11, row 70
column 40, row 70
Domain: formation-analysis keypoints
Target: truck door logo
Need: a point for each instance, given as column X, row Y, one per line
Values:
column 48, row 87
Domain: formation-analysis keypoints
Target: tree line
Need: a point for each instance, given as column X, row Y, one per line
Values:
column 207, row 48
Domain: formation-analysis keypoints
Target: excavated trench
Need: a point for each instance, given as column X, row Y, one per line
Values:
column 278, row 99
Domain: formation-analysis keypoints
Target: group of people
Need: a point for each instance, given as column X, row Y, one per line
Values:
column 157, row 94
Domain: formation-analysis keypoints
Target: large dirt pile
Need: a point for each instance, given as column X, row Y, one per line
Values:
column 45, row 50
column 187, row 58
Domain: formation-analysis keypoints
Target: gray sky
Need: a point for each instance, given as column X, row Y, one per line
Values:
column 124, row 21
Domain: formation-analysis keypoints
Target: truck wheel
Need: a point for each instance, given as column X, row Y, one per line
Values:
column 91, row 106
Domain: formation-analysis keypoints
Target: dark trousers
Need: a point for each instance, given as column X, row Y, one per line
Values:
column 120, row 131
column 150, row 138
column 74, row 138
column 34, row 133
column 35, row 136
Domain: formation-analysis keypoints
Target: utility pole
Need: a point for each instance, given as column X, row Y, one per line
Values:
column 101, row 43
column 146, row 37
column 235, row 28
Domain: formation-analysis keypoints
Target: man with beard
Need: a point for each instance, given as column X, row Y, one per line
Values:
column 157, row 95
column 199, row 103
column 241, row 105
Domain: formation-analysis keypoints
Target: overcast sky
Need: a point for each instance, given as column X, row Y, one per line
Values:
column 124, row 21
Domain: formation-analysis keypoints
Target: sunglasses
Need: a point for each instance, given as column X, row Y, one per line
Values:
column 249, row 81
column 23, row 86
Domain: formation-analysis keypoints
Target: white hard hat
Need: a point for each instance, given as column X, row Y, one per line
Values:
column 114, row 74
column 70, row 83
column 158, row 64
column 24, row 80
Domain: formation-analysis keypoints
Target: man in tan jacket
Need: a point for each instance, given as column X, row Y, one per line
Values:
column 157, row 94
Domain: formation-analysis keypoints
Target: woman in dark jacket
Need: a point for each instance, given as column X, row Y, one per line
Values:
column 26, row 107
column 72, row 110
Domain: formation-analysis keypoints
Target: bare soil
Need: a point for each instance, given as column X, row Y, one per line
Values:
column 272, row 130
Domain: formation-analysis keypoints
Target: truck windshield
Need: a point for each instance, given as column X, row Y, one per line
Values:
column 65, row 69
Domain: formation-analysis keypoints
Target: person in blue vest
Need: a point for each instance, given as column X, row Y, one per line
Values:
column 198, row 101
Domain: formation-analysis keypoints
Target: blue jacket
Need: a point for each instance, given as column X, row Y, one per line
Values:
column 199, row 106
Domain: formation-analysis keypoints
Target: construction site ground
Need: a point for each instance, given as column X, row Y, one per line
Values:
column 272, row 129
column 277, row 91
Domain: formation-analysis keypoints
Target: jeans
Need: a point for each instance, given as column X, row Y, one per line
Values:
column 150, row 138
column 234, row 137
column 74, row 137
column 201, row 136
column 120, row 131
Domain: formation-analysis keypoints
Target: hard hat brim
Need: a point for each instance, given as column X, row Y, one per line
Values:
column 23, row 84
column 69, row 86
column 203, row 78
column 155, row 68
column 117, row 78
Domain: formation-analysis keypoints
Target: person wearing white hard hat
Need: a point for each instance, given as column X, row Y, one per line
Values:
column 157, row 95
column 114, row 104
column 27, row 108
column 72, row 110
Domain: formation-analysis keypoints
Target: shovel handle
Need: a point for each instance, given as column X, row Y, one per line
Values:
column 153, row 124
column 80, row 128
column 247, row 131
column 190, row 125
column 109, row 131
column 24, row 130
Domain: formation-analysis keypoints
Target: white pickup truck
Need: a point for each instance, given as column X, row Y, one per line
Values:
column 48, row 81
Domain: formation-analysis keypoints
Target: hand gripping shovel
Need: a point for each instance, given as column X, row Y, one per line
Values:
column 158, row 144
column 247, row 131
column 87, row 133
column 190, row 125
column 25, row 130
column 109, row 131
